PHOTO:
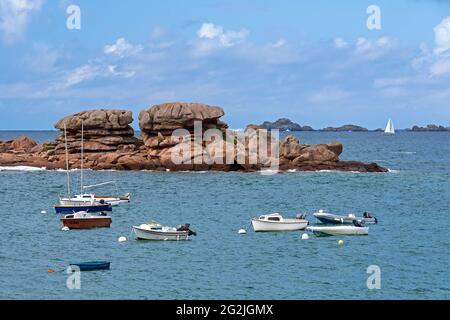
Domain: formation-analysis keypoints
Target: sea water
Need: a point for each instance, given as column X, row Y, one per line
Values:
column 410, row 245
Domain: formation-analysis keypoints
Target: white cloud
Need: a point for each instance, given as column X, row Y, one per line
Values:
column 340, row 43
column 126, row 74
column 15, row 16
column 440, row 68
column 122, row 48
column 329, row 95
column 81, row 74
column 442, row 37
column 211, row 37
column 372, row 49
column 280, row 43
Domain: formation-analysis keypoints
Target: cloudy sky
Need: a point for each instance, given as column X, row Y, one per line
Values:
column 315, row 62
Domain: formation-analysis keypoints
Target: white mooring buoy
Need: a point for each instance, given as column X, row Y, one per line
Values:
column 43, row 211
column 65, row 229
column 122, row 239
column 305, row 236
column 242, row 231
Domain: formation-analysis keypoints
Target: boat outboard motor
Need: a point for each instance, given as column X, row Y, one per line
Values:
column 186, row 228
column 357, row 223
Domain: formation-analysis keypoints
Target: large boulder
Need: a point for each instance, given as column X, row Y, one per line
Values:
column 97, row 120
column 179, row 115
column 23, row 143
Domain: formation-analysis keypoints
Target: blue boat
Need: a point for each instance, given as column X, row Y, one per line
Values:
column 92, row 266
column 72, row 208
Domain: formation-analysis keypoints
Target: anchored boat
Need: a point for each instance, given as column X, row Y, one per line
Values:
column 92, row 266
column 323, row 231
column 155, row 231
column 73, row 208
column 85, row 220
column 276, row 222
column 328, row 218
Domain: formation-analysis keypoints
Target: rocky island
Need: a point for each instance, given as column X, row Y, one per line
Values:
column 110, row 143
column 284, row 124
column 346, row 128
column 431, row 128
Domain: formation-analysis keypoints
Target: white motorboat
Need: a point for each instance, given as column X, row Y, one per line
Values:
column 323, row 231
column 328, row 218
column 156, row 231
column 276, row 222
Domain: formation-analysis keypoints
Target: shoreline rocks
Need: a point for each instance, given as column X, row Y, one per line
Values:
column 109, row 143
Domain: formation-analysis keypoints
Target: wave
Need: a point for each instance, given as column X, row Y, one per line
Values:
column 405, row 152
column 393, row 170
column 22, row 168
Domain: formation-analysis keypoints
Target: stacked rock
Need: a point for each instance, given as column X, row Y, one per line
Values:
column 104, row 131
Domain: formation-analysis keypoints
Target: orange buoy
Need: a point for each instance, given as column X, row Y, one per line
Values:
column 50, row 270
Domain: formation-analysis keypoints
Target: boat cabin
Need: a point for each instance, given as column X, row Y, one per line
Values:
column 276, row 217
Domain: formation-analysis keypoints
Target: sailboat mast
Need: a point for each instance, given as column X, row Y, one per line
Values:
column 67, row 161
column 82, row 155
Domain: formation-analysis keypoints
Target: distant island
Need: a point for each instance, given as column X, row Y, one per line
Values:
column 430, row 127
column 284, row 124
column 347, row 127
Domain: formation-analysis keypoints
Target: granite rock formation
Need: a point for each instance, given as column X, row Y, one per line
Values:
column 109, row 143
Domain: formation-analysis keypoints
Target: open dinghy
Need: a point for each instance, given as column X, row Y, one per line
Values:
column 91, row 266
column 328, row 218
column 323, row 231
column 276, row 222
column 156, row 231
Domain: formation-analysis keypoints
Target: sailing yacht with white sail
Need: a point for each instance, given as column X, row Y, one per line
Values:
column 389, row 128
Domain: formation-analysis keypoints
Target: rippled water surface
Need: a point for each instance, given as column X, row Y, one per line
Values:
column 411, row 243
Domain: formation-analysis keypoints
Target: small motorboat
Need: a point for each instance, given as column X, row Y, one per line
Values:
column 323, row 231
column 155, row 231
column 276, row 222
column 72, row 208
column 328, row 218
column 92, row 266
column 85, row 220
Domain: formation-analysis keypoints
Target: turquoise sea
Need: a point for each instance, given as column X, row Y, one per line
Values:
column 411, row 243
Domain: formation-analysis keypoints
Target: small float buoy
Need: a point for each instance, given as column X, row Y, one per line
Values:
column 50, row 270
column 122, row 239
column 65, row 229
column 341, row 242
column 43, row 211
column 242, row 231
column 305, row 236
column 167, row 170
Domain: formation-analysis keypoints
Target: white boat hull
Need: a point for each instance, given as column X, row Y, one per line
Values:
column 112, row 201
column 264, row 226
column 143, row 234
column 338, row 230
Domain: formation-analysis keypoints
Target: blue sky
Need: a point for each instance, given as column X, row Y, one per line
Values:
column 315, row 62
